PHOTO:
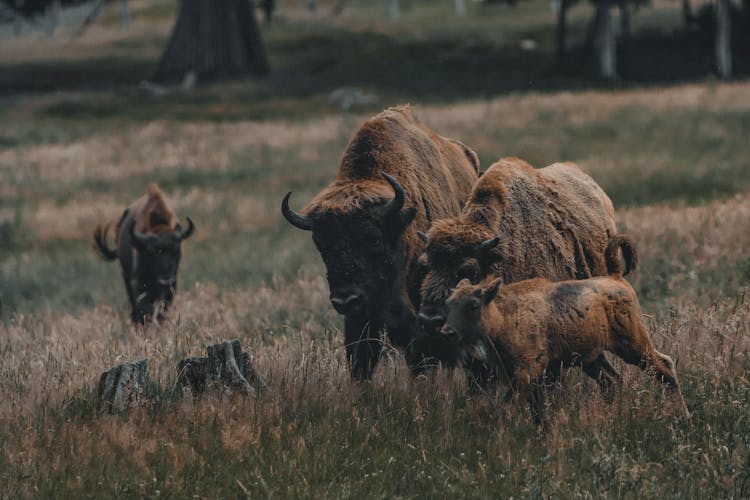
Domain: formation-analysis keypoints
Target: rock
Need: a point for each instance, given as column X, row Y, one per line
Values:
column 226, row 367
column 123, row 386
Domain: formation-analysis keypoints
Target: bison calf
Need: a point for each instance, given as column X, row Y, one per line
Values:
column 148, row 241
column 516, row 333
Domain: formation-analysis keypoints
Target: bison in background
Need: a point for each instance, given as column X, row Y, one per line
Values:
column 148, row 242
column 517, row 332
column 396, row 177
column 518, row 223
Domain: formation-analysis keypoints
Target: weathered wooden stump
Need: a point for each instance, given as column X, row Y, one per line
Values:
column 226, row 366
column 123, row 386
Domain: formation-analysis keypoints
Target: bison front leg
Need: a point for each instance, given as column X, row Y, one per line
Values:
column 143, row 310
column 363, row 345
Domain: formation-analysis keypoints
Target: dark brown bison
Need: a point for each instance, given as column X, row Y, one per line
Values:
column 148, row 241
column 518, row 223
column 396, row 177
column 517, row 332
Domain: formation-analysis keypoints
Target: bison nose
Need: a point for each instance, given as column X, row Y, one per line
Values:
column 431, row 323
column 347, row 304
column 167, row 282
column 449, row 334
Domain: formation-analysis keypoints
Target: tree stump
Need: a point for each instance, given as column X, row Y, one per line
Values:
column 226, row 366
column 122, row 386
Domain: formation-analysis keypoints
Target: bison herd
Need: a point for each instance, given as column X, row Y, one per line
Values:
column 511, row 274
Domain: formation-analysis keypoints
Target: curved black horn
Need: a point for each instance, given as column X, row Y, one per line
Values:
column 137, row 236
column 488, row 244
column 422, row 236
column 183, row 235
column 397, row 203
column 297, row 220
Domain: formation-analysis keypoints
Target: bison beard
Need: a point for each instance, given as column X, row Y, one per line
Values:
column 368, row 239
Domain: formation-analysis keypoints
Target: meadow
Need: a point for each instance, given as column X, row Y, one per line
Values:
column 672, row 155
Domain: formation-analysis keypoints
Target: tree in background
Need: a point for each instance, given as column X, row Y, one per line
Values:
column 215, row 40
column 211, row 39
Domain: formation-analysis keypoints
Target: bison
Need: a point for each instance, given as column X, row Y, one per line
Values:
column 515, row 333
column 148, row 241
column 396, row 177
column 518, row 223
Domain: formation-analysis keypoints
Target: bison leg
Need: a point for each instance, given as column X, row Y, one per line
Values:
column 143, row 311
column 363, row 347
column 605, row 375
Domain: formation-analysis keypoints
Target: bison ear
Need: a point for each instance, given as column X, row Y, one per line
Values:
column 491, row 291
column 138, row 240
column 406, row 217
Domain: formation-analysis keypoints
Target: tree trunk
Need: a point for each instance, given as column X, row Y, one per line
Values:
column 393, row 9
column 460, row 7
column 606, row 47
column 723, row 39
column 687, row 13
column 217, row 39
column 560, row 31
column 125, row 14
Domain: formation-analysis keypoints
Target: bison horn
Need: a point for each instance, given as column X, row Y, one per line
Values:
column 295, row 219
column 422, row 236
column 488, row 244
column 397, row 203
column 183, row 235
column 138, row 237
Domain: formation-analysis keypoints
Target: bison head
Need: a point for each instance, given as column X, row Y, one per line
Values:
column 454, row 251
column 464, row 310
column 159, row 257
column 363, row 250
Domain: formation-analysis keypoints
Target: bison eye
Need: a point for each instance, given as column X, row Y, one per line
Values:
column 472, row 306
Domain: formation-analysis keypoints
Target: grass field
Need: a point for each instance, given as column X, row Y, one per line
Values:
column 674, row 157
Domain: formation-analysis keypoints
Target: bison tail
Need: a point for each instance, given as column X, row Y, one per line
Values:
column 100, row 243
column 612, row 257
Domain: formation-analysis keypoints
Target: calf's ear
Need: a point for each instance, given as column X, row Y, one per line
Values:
column 490, row 292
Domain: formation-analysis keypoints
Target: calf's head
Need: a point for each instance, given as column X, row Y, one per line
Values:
column 362, row 247
column 159, row 256
column 464, row 310
column 455, row 251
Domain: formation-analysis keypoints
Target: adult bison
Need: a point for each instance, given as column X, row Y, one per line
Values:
column 518, row 223
column 396, row 176
column 148, row 241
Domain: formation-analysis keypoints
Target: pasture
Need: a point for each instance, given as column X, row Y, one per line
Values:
column 672, row 156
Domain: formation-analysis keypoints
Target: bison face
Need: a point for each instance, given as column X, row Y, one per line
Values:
column 463, row 323
column 363, row 251
column 451, row 259
column 159, row 258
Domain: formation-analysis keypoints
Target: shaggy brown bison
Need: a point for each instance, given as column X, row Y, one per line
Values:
column 518, row 223
column 517, row 331
column 396, row 177
column 148, row 241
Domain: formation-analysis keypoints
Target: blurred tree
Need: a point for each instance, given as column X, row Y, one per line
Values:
column 211, row 39
column 214, row 40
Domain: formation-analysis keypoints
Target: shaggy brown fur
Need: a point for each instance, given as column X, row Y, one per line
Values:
column 371, row 257
column 148, row 245
column 552, row 222
column 520, row 332
column 437, row 173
